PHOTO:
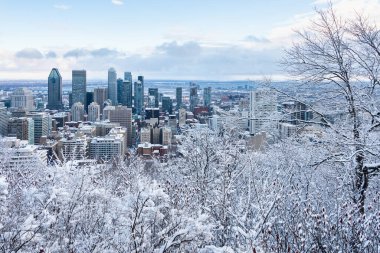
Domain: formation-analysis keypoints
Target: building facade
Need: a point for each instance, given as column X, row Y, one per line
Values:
column 54, row 90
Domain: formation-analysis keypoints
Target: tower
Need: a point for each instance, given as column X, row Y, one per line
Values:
column 207, row 96
column 79, row 87
column 178, row 96
column 112, row 86
column 154, row 92
column 139, row 97
column 55, row 90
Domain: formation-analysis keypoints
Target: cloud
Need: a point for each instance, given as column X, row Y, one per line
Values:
column 118, row 2
column 253, row 38
column 62, row 7
column 51, row 54
column 76, row 53
column 29, row 53
column 105, row 52
column 185, row 50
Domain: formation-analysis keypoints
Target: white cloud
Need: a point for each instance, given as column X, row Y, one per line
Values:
column 62, row 7
column 118, row 2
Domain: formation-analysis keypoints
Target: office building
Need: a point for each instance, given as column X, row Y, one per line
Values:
column 3, row 120
column 112, row 86
column 93, row 112
column 167, row 105
column 42, row 125
column 193, row 97
column 207, row 96
column 124, row 92
column 77, row 112
column 145, row 135
column 166, row 136
column 54, row 90
column 182, row 117
column 178, row 97
column 89, row 99
column 79, row 82
column 139, row 97
column 22, row 98
column 154, row 92
column 107, row 148
column 263, row 108
column 22, row 128
column 123, row 116
column 100, row 96
column 128, row 76
column 72, row 148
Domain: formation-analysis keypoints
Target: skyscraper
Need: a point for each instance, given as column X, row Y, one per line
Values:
column 79, row 86
column 139, row 97
column 193, row 97
column 22, row 98
column 100, row 95
column 112, row 86
column 55, row 90
column 167, row 105
column 123, row 115
column 124, row 92
column 207, row 96
column 178, row 96
column 93, row 112
column 154, row 92
column 263, row 106
column 77, row 112
column 128, row 76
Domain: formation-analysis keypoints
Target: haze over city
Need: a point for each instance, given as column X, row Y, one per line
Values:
column 187, row 40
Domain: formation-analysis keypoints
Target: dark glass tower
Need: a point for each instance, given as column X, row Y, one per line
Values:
column 154, row 92
column 79, row 83
column 178, row 96
column 54, row 90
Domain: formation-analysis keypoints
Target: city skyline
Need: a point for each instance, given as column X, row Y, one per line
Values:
column 212, row 40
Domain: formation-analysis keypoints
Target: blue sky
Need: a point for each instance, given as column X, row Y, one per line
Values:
column 167, row 39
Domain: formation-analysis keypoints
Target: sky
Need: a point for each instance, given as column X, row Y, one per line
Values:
column 167, row 39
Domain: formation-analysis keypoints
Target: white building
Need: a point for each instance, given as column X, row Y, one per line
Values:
column 93, row 112
column 107, row 148
column 145, row 135
column 182, row 117
column 166, row 136
column 263, row 110
column 73, row 147
column 77, row 112
column 22, row 98
column 19, row 154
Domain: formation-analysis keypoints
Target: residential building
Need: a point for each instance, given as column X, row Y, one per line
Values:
column 21, row 128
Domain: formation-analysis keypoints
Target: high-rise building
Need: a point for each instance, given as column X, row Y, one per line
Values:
column 122, row 115
column 89, row 99
column 263, row 106
column 128, row 76
column 100, row 96
column 166, row 136
column 55, row 90
column 182, row 116
column 145, row 135
column 139, row 97
column 167, row 105
column 154, row 92
column 3, row 120
column 42, row 125
column 77, row 112
column 207, row 96
column 193, row 97
column 79, row 83
column 178, row 96
column 124, row 92
column 93, row 112
column 112, row 86
column 22, row 128
column 22, row 98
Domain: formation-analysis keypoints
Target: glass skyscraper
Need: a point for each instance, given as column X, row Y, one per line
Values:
column 54, row 90
column 178, row 96
column 139, row 97
column 154, row 92
column 112, row 86
column 79, row 83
